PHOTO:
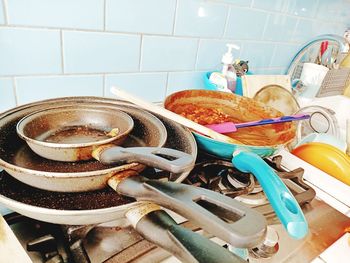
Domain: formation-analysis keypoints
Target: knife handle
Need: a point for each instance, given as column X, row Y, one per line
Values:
column 161, row 229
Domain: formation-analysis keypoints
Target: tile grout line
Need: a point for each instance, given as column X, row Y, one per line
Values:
column 226, row 22
column 104, row 14
column 95, row 74
column 148, row 34
column 295, row 28
column 265, row 26
column 166, row 84
column 197, row 54
column 317, row 7
column 273, row 55
column 5, row 11
column 14, row 83
column 62, row 51
column 103, row 85
column 175, row 14
column 141, row 53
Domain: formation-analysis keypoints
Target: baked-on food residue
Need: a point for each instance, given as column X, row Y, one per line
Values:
column 266, row 135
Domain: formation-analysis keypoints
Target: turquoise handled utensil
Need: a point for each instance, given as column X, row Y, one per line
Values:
column 281, row 199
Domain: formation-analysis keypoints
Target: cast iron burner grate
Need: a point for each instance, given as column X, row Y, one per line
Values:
column 221, row 176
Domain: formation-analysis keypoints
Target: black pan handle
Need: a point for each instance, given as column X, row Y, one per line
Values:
column 162, row 158
column 161, row 229
column 220, row 215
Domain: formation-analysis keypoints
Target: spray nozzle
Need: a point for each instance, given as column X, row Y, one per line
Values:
column 227, row 58
column 231, row 46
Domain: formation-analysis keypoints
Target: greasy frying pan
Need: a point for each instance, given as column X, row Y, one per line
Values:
column 78, row 133
column 19, row 161
column 246, row 229
column 245, row 156
column 70, row 134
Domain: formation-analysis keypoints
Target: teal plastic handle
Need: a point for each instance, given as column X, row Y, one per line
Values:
column 281, row 199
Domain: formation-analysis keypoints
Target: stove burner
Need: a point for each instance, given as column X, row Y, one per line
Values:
column 253, row 199
column 220, row 176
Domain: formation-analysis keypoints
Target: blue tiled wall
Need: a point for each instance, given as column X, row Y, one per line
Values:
column 149, row 47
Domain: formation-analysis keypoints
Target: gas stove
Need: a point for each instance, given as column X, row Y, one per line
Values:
column 118, row 242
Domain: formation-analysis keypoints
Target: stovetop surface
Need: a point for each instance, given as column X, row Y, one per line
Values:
column 119, row 242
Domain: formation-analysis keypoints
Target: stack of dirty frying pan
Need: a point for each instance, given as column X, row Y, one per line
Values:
column 124, row 140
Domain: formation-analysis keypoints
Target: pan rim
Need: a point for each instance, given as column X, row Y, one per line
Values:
column 64, row 174
column 52, row 211
column 276, row 146
column 20, row 127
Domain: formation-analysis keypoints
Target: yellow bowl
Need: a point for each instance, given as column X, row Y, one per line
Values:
column 326, row 158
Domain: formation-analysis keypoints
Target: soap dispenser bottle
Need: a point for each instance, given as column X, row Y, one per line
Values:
column 226, row 80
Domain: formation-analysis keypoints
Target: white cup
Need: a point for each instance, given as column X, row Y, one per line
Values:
column 312, row 76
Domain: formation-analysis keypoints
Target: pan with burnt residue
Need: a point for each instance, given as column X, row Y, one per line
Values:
column 19, row 161
column 128, row 181
column 208, row 107
column 71, row 133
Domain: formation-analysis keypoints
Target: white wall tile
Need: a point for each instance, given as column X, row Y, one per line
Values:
column 168, row 53
column 88, row 52
column 7, row 96
column 258, row 54
column 29, row 51
column 280, row 28
column 301, row 8
column 2, row 11
column 185, row 80
column 271, row 5
column 237, row 2
column 149, row 44
column 31, row 89
column 330, row 10
column 211, row 51
column 283, row 55
column 151, row 16
column 85, row 14
column 200, row 18
column 305, row 30
column 149, row 86
column 239, row 27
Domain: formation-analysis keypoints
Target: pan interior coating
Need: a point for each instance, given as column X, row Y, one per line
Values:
column 74, row 126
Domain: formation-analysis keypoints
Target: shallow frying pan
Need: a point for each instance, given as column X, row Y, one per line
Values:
column 253, row 143
column 78, row 133
column 246, row 229
column 70, row 134
column 19, row 161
